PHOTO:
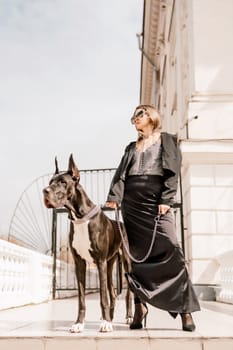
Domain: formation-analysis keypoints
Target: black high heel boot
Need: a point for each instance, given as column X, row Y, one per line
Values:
column 140, row 314
column 187, row 322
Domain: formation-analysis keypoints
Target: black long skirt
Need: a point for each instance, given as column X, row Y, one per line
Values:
column 162, row 280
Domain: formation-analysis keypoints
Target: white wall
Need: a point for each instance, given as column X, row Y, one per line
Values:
column 196, row 79
column 208, row 151
column 208, row 202
column 215, row 117
column 212, row 45
column 212, row 69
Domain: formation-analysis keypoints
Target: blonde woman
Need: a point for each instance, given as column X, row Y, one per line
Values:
column 145, row 184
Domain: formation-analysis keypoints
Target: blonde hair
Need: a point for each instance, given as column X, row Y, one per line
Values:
column 153, row 115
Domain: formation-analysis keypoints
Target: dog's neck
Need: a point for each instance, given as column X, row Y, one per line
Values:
column 79, row 205
column 93, row 212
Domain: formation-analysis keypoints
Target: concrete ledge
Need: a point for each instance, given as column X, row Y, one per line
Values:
column 114, row 344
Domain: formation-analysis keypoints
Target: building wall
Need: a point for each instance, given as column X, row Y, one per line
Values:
column 208, row 203
column 212, row 56
column 194, row 93
column 210, row 158
column 212, row 45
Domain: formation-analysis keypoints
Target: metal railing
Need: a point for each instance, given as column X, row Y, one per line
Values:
column 46, row 231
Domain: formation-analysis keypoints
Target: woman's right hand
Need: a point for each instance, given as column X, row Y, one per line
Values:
column 112, row 205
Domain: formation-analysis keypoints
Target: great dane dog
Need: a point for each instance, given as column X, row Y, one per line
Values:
column 93, row 238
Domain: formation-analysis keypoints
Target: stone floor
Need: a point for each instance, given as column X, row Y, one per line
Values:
column 46, row 327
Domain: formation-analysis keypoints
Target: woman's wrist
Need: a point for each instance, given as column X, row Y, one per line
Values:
column 163, row 209
column 111, row 204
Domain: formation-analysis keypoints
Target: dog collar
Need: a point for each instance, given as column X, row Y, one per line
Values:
column 86, row 217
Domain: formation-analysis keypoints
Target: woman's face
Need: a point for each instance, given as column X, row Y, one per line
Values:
column 142, row 122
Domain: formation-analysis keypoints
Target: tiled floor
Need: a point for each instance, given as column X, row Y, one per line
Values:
column 46, row 327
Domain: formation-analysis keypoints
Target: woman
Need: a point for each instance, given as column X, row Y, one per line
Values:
column 145, row 184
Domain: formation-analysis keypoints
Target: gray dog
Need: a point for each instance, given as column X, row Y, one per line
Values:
column 93, row 238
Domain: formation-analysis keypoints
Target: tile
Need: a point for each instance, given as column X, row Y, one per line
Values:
column 80, row 343
column 123, row 343
column 203, row 222
column 204, row 271
column 202, row 175
column 212, row 198
column 224, row 222
column 172, row 334
column 22, row 344
column 223, row 175
column 211, row 324
column 204, row 246
column 175, row 344
column 217, row 344
column 46, row 327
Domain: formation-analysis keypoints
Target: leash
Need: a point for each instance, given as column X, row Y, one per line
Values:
column 125, row 242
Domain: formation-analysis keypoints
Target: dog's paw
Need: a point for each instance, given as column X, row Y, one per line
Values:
column 106, row 326
column 77, row 328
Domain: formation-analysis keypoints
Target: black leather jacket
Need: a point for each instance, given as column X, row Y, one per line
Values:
column 171, row 163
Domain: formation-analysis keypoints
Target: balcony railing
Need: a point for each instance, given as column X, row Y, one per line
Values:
column 224, row 293
column 26, row 276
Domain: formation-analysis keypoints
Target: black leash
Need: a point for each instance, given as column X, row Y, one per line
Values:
column 125, row 242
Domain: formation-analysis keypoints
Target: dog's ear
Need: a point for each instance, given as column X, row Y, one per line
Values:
column 72, row 168
column 56, row 166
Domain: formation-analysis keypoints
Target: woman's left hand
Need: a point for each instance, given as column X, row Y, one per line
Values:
column 163, row 208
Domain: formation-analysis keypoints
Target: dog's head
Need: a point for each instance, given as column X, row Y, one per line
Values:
column 61, row 186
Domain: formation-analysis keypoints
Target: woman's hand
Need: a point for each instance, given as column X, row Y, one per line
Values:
column 163, row 208
column 112, row 205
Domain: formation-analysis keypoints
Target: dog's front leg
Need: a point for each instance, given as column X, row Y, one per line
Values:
column 80, row 270
column 106, row 324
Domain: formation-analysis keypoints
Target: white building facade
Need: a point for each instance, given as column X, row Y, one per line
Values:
column 187, row 73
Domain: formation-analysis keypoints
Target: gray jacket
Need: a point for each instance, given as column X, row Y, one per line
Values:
column 171, row 163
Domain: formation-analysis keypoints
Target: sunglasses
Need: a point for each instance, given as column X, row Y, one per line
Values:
column 139, row 114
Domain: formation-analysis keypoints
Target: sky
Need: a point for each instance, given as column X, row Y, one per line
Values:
column 70, row 80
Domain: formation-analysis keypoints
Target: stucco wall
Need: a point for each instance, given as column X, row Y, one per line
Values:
column 208, row 203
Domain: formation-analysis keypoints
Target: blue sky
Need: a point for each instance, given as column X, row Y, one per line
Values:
column 70, row 79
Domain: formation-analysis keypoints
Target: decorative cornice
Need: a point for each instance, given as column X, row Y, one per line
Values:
column 150, row 35
column 211, row 97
